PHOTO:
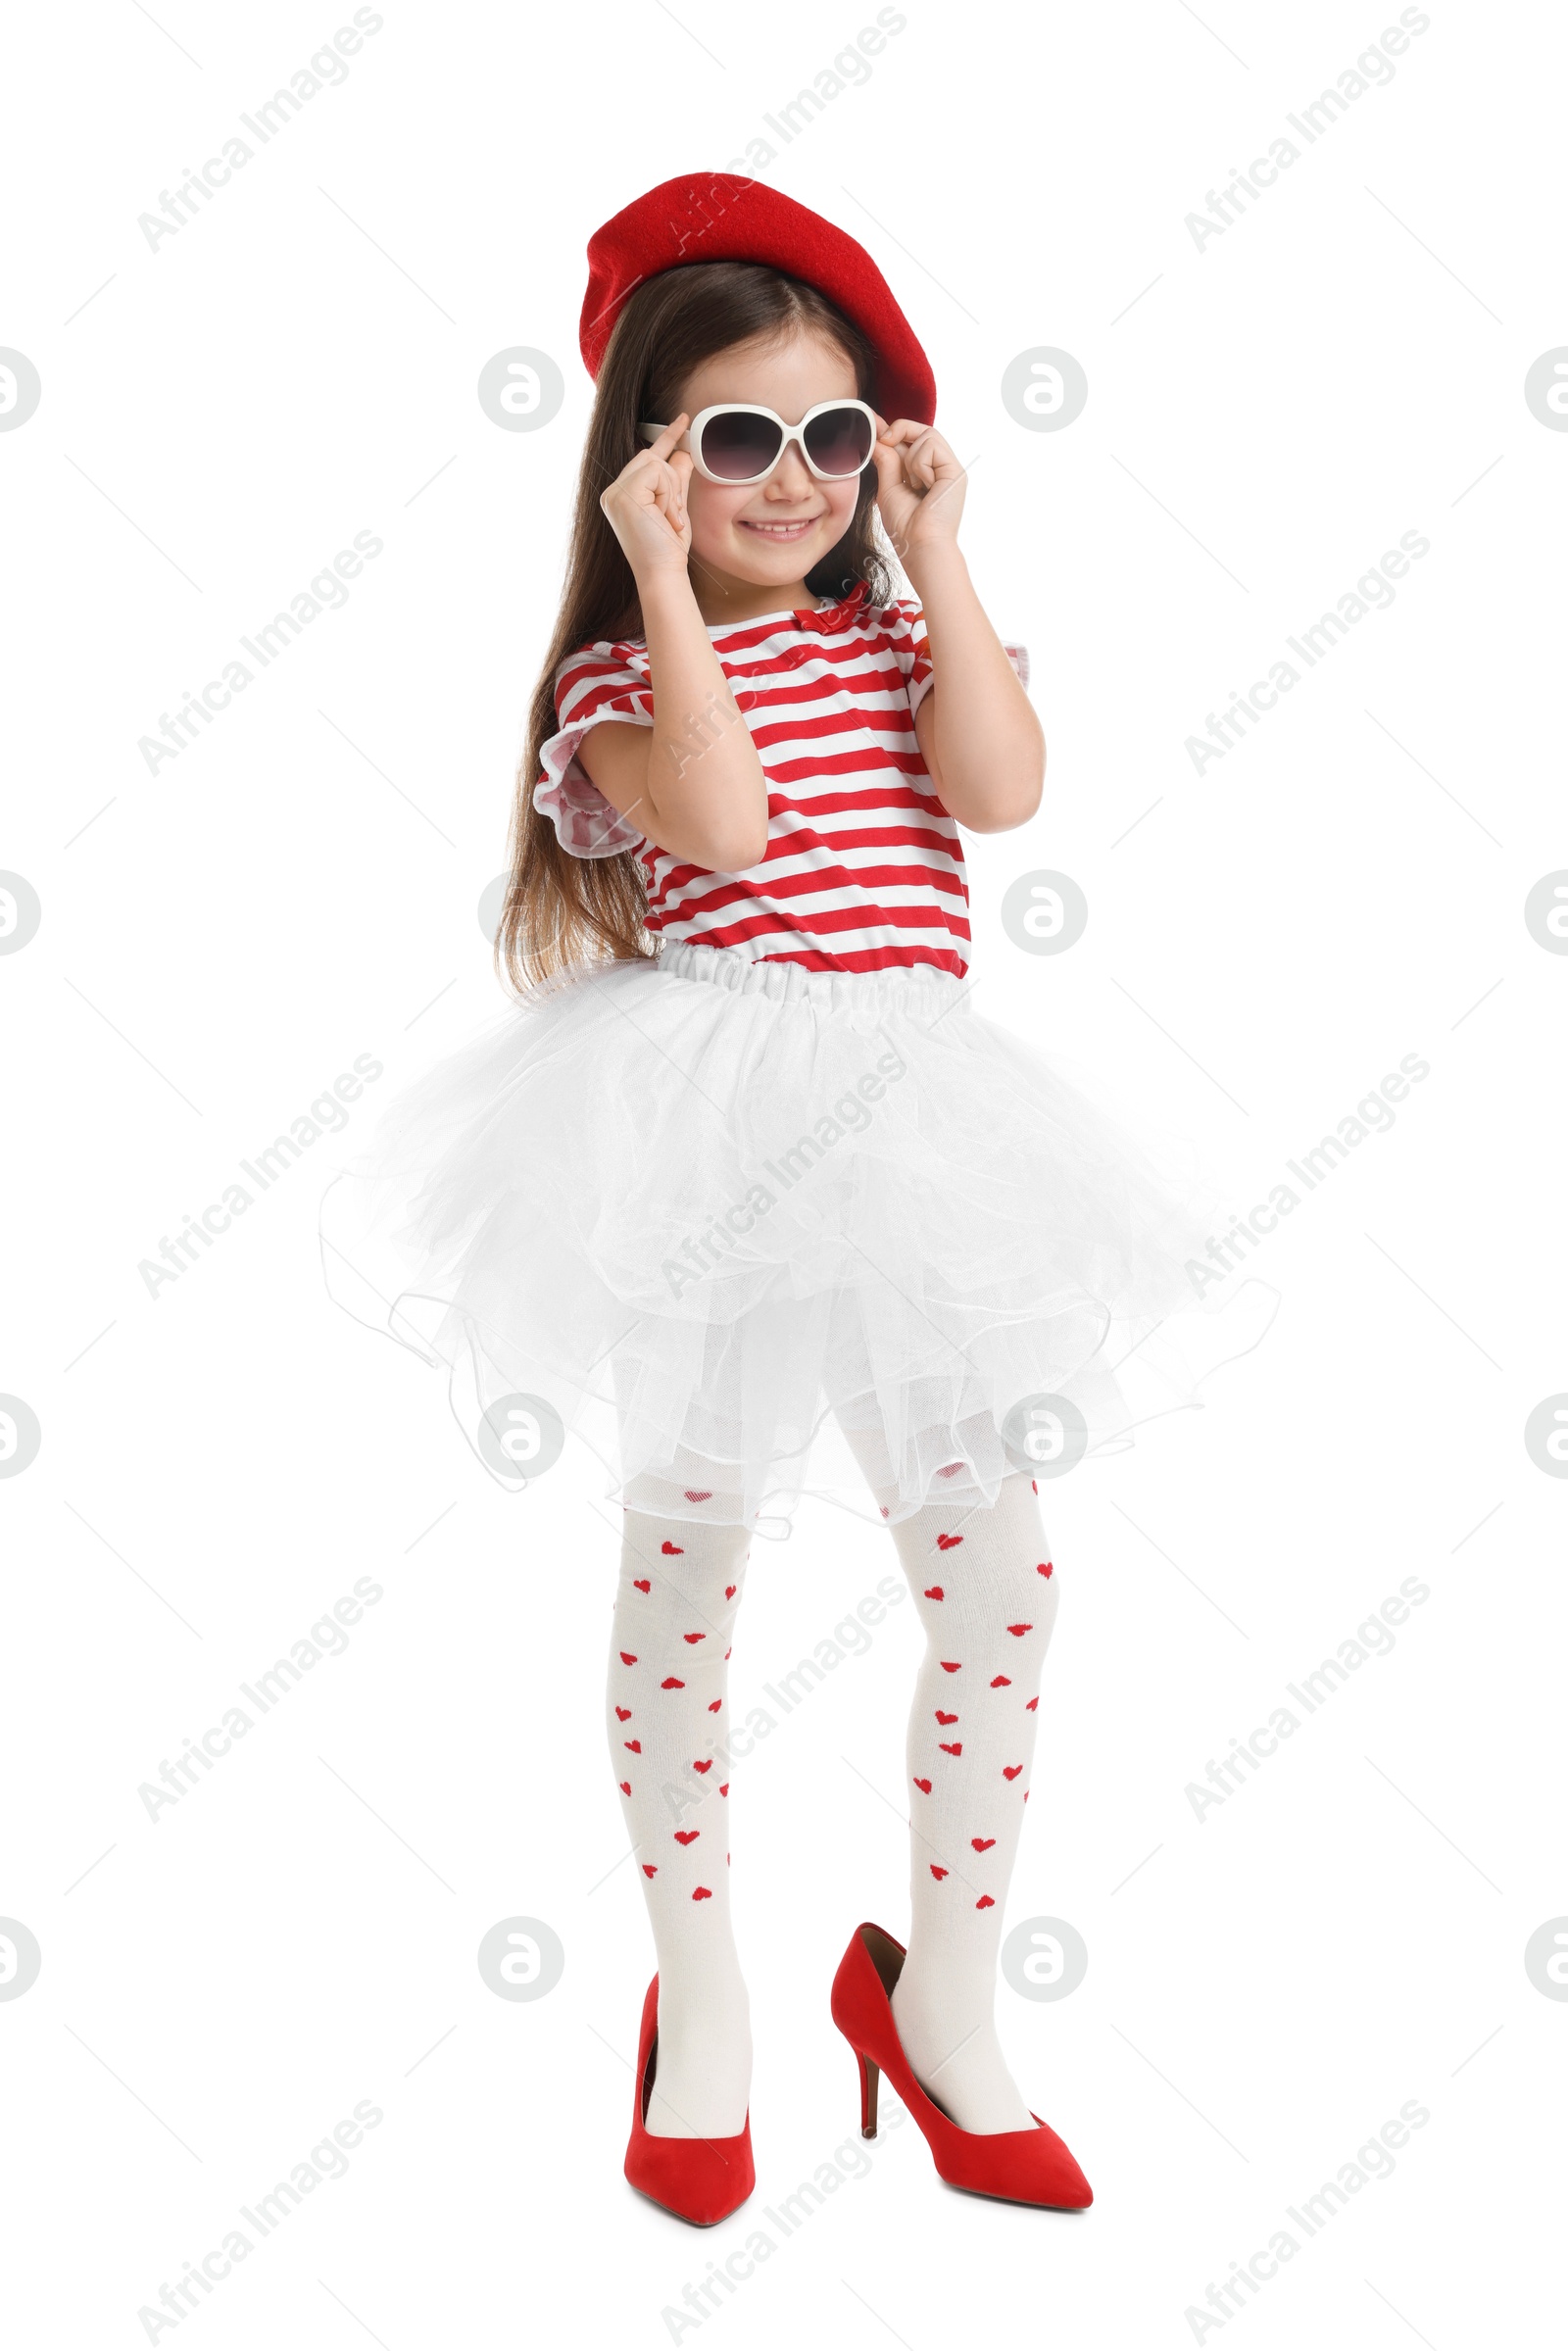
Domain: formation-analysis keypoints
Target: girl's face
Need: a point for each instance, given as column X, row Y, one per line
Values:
column 769, row 533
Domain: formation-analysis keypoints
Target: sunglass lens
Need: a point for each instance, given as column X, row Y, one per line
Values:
column 838, row 440
column 741, row 446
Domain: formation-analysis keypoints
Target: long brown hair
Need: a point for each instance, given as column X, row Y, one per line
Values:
column 561, row 909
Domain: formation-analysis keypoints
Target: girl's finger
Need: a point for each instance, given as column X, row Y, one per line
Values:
column 671, row 499
column 669, row 436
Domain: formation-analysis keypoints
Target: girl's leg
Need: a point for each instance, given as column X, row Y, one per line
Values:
column 666, row 1714
column 984, row 1585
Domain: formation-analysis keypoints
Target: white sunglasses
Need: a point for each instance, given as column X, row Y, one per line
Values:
column 736, row 443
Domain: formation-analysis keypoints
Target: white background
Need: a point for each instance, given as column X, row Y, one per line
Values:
column 1267, row 415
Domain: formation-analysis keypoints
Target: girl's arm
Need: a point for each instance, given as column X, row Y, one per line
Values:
column 693, row 782
column 979, row 737
column 982, row 746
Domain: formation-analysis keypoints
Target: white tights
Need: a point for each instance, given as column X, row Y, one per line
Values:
column 983, row 1582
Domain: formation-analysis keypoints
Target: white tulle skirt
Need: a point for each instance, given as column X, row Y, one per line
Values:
column 750, row 1231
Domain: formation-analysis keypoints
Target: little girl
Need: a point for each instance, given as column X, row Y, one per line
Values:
column 742, row 1189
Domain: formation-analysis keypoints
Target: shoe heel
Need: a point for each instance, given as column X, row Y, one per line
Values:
column 1018, row 2166
column 869, row 2077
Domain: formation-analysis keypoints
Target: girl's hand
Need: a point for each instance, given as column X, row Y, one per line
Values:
column 646, row 506
column 920, row 487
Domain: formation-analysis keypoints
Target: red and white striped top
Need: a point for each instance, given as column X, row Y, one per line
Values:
column 863, row 869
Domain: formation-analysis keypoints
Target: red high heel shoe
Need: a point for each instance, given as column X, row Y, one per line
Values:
column 700, row 2179
column 1022, row 2166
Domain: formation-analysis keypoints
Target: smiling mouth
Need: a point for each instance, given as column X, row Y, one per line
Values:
column 782, row 530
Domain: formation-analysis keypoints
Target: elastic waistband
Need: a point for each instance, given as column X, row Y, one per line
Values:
column 907, row 988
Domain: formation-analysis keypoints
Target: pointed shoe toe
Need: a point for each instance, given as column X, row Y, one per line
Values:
column 1020, row 2167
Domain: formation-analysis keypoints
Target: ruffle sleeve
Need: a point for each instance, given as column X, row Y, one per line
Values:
column 591, row 685
column 914, row 652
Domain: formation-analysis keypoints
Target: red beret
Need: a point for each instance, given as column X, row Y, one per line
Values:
column 715, row 217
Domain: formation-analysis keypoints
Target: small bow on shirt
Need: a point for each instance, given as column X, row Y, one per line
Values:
column 833, row 616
